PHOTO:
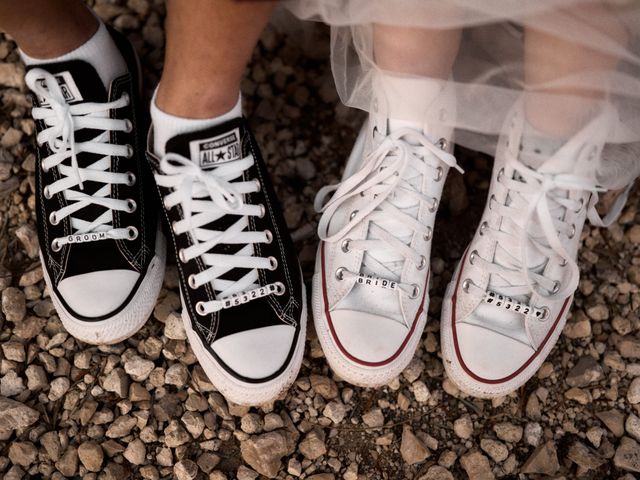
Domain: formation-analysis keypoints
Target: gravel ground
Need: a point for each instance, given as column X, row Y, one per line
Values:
column 144, row 409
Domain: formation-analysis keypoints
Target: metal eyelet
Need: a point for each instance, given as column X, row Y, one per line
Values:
column 191, row 280
column 443, row 144
column 573, row 231
column 580, row 207
column 466, row 284
column 127, row 98
column 340, row 273
column 258, row 185
column 132, row 233
column 55, row 245
column 200, row 308
column 181, row 256
column 556, row 287
column 345, row 245
column 492, row 199
column 269, row 236
column 545, row 314
column 263, row 211
column 53, row 219
column 128, row 126
column 429, row 235
column 483, row 227
column 129, row 151
column 434, row 206
column 353, row 214
column 47, row 193
column 131, row 205
column 500, row 175
column 273, row 263
column 280, row 288
column 415, row 292
column 472, row 256
column 423, row 262
column 131, row 179
column 439, row 174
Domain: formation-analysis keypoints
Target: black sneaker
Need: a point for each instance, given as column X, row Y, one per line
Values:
column 244, row 304
column 102, row 257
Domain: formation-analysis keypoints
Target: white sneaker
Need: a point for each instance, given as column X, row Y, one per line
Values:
column 508, row 300
column 372, row 268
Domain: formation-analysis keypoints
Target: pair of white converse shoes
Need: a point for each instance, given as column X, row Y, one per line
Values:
column 512, row 290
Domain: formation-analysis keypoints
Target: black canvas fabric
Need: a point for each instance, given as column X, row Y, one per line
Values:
column 261, row 312
column 78, row 258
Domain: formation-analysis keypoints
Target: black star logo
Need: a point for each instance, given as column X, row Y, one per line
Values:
column 219, row 156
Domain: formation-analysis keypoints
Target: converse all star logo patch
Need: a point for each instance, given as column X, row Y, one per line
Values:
column 213, row 151
column 68, row 86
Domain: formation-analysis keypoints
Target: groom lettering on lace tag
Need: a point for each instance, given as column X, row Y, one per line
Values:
column 67, row 84
column 216, row 150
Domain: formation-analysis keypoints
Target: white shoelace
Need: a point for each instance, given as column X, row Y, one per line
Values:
column 206, row 196
column 62, row 121
column 394, row 169
column 542, row 201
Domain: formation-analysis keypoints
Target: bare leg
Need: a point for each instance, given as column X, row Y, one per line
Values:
column 47, row 28
column 208, row 47
column 417, row 51
column 549, row 58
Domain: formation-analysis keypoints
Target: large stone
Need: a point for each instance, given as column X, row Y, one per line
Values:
column 185, row 470
column 543, row 460
column 22, row 453
column 15, row 415
column 436, row 472
column 627, row 455
column 411, row 447
column 324, row 386
column 138, row 368
column 477, row 466
column 463, row 427
column 91, row 455
column 585, row 372
column 135, row 452
column 508, row 432
column 585, row 457
column 498, row 451
column 633, row 394
column 312, row 446
column 613, row 420
column 13, row 304
column 263, row 452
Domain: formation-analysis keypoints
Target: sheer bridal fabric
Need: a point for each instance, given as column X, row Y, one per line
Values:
column 568, row 61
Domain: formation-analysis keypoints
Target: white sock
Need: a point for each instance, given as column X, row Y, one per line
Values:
column 167, row 126
column 408, row 99
column 100, row 51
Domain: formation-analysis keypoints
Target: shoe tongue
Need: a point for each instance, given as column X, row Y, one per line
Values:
column 212, row 146
column 78, row 81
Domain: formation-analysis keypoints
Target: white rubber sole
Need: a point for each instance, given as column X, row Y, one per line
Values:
column 345, row 368
column 462, row 379
column 245, row 393
column 131, row 318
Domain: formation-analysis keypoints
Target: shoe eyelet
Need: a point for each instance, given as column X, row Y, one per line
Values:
column 466, row 284
column 280, row 288
column 47, row 193
column 573, row 231
column 263, row 211
column 556, row 287
column 434, row 206
column 415, row 292
column 181, row 256
column 273, row 263
column 473, row 256
column 500, row 175
column 492, row 199
column 128, row 125
column 564, row 262
column 129, row 151
column 131, row 205
column 423, row 262
column 545, row 314
column 483, row 227
column 345, row 245
column 55, row 245
column 340, row 273
column 353, row 214
column 200, row 308
column 132, row 233
column 443, row 144
column 269, row 236
column 580, row 207
column 191, row 280
column 439, row 174
column 429, row 235
column 131, row 179
column 258, row 185
column 53, row 218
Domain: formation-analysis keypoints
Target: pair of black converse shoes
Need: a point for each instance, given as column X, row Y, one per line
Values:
column 103, row 253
